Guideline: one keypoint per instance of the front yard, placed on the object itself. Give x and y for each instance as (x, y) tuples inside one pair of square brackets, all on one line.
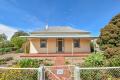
[(9, 59)]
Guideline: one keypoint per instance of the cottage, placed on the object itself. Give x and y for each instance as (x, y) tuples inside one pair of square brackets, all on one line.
[(59, 40)]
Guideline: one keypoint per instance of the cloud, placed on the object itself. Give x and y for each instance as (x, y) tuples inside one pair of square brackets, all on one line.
[(9, 31)]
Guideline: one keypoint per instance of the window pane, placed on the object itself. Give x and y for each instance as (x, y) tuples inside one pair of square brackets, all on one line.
[(43, 43), (76, 42)]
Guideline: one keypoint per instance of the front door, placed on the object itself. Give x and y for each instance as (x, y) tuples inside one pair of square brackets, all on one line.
[(60, 45)]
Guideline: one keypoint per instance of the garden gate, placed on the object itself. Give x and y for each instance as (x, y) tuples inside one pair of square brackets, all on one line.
[(70, 72), (62, 72)]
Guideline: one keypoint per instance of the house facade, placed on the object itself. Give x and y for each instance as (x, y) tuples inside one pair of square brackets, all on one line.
[(59, 40)]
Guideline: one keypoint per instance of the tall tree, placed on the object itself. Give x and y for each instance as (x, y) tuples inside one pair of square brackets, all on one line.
[(109, 39), (19, 33), (3, 37), (17, 40)]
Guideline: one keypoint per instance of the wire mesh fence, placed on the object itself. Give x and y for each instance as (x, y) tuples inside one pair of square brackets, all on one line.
[(19, 74), (60, 73), (102, 73)]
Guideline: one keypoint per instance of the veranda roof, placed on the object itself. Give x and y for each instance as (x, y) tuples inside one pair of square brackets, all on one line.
[(59, 36)]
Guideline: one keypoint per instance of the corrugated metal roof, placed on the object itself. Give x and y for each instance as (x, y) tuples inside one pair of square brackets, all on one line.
[(59, 32), (60, 29)]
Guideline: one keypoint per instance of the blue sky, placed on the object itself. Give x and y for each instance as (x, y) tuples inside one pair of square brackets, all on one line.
[(29, 15)]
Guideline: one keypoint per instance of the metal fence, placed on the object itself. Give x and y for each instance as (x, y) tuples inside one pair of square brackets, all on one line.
[(97, 73), (60, 73), (19, 74)]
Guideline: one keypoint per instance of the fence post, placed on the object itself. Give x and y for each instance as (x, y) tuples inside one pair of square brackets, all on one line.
[(41, 73), (77, 73)]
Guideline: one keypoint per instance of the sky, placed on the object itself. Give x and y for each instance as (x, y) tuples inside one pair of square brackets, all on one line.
[(30, 15)]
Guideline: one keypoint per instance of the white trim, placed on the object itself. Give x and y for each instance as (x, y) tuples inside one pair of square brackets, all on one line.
[(74, 36), (19, 68)]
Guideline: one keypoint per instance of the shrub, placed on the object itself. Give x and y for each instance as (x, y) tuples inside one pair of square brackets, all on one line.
[(29, 63), (91, 75), (17, 74), (18, 41), (113, 62), (19, 51), (6, 44), (1, 50), (33, 63), (94, 60), (4, 60), (5, 50)]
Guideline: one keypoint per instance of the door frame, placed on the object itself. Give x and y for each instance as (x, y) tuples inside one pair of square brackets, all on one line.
[(57, 40)]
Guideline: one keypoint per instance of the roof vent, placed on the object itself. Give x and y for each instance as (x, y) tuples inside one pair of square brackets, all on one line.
[(46, 27)]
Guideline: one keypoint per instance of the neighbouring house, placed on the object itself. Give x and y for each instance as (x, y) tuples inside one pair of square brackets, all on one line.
[(60, 40)]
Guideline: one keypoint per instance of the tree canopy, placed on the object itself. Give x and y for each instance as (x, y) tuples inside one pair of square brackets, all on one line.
[(3, 37), (109, 39), (17, 40), (19, 33)]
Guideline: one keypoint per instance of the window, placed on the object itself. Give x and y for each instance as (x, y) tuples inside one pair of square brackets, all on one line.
[(43, 43), (76, 43)]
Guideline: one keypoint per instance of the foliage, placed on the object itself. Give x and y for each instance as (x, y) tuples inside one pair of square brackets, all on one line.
[(109, 38), (5, 46), (99, 60), (19, 33), (94, 60), (5, 50), (19, 51), (114, 62), (16, 74), (91, 75), (110, 34), (110, 52), (4, 60), (32, 63), (29, 63), (3, 37), (18, 42)]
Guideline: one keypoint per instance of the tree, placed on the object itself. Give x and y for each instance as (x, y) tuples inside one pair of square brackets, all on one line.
[(109, 38), (19, 33), (3, 37), (17, 40)]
